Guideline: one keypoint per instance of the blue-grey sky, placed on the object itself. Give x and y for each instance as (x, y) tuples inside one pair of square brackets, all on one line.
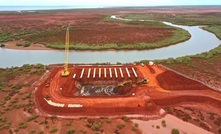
[(98, 3)]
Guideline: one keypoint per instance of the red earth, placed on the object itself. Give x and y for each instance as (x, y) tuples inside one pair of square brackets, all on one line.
[(89, 27), (147, 98)]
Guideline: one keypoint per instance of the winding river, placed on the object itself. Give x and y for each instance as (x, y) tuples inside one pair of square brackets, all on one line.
[(200, 41)]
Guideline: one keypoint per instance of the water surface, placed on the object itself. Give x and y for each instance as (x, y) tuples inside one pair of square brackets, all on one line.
[(200, 41)]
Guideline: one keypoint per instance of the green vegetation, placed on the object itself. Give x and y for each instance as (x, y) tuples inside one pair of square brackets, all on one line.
[(26, 44), (216, 29), (32, 117), (71, 131), (184, 19), (108, 121), (120, 126), (125, 118), (179, 35), (19, 44), (69, 123), (175, 131), (54, 130), (163, 123), (3, 119), (136, 124), (96, 126), (32, 131), (2, 45), (47, 126), (134, 128), (10, 73), (41, 132), (22, 125), (7, 125), (219, 131)]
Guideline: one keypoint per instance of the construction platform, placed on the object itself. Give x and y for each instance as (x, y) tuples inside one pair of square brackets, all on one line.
[(93, 88)]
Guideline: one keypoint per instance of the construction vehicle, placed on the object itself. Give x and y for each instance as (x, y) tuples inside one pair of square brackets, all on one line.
[(124, 83), (143, 81), (65, 72)]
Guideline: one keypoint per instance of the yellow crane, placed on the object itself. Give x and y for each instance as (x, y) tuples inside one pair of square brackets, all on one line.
[(65, 72)]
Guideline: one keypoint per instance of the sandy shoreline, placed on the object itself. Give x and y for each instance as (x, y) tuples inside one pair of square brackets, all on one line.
[(12, 45)]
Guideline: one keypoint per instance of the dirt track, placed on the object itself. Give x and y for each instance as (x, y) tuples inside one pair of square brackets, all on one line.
[(148, 97)]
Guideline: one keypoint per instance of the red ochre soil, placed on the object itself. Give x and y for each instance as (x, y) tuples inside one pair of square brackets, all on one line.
[(148, 98), (172, 81), (89, 27)]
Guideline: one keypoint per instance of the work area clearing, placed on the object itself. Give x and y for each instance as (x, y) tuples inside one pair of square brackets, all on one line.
[(91, 90)]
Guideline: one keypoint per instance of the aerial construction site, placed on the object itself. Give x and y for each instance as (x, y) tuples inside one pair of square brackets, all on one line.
[(91, 90)]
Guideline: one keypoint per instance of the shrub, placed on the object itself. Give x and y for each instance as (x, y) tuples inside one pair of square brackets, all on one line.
[(163, 123), (2, 103), (32, 117), (39, 66), (219, 130), (53, 130), (158, 127), (125, 118), (69, 123), (14, 101), (47, 126), (7, 125), (96, 126), (16, 130), (3, 119), (22, 125), (175, 131), (2, 45), (136, 124), (71, 131), (32, 131), (134, 128), (212, 117), (19, 44), (27, 44), (120, 126), (108, 121), (40, 132), (217, 123)]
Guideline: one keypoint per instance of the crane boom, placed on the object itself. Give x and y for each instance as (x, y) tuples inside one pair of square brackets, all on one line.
[(65, 72)]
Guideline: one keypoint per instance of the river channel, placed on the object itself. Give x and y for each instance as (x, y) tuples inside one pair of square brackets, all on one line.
[(200, 41)]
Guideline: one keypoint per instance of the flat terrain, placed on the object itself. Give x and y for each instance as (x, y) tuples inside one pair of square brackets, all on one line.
[(190, 101), (89, 30), (18, 91), (148, 98)]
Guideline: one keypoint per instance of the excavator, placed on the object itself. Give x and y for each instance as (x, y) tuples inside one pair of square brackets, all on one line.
[(65, 72), (129, 82)]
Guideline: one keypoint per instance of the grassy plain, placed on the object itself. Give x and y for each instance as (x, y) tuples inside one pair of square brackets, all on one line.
[(191, 19), (89, 31)]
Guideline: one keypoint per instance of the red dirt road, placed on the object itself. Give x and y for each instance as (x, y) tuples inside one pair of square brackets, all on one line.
[(148, 97)]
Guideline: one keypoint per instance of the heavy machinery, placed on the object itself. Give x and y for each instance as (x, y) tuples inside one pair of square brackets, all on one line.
[(143, 81), (124, 83), (65, 72)]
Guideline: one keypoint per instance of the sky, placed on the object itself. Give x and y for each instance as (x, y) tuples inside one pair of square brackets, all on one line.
[(103, 3)]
